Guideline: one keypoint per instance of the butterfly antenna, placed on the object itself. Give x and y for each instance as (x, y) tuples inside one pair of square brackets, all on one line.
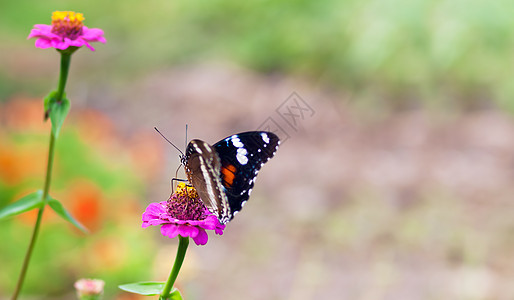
[(186, 136), (168, 141)]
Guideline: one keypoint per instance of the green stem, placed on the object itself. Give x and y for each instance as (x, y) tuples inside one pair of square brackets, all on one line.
[(63, 76), (65, 65), (183, 242), (35, 233)]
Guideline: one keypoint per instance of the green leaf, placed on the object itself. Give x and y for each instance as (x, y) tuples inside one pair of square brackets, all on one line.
[(29, 202), (56, 110), (50, 98), (175, 295), (61, 211), (147, 288)]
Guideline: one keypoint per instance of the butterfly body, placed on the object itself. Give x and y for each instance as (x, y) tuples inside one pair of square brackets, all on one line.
[(224, 173)]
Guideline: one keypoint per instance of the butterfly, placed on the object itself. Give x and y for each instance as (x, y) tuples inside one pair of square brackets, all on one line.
[(224, 174)]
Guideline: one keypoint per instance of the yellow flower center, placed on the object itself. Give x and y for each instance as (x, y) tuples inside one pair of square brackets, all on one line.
[(185, 190), (67, 24)]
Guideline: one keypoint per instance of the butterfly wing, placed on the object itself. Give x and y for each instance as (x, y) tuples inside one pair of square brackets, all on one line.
[(241, 156), (203, 166)]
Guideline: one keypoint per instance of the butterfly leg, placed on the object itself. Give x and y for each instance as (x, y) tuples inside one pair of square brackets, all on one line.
[(178, 180)]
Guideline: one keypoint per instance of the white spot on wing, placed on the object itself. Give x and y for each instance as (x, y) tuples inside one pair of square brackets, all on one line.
[(236, 142), (265, 137), (197, 148), (241, 156)]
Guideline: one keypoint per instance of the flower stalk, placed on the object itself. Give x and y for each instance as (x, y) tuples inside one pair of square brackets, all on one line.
[(183, 242), (63, 75), (65, 65)]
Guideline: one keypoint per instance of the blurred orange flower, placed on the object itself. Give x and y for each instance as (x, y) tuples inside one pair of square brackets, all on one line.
[(19, 162), (23, 113), (86, 203)]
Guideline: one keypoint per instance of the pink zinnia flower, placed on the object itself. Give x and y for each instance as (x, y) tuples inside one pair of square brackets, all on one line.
[(66, 31), (184, 213)]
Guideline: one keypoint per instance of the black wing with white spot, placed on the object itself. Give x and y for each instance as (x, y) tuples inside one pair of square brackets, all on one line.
[(241, 157)]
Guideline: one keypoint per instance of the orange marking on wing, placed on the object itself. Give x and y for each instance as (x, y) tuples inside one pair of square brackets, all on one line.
[(228, 174)]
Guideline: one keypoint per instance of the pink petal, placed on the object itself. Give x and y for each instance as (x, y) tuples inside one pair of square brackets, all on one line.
[(154, 222), (155, 209), (93, 34), (148, 220), (61, 45), (43, 43), (77, 43), (147, 217), (170, 230), (210, 223), (188, 231), (201, 238), (89, 46), (34, 33), (219, 230), (175, 221), (43, 31)]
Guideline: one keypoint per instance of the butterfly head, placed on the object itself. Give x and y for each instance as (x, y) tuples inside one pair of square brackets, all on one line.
[(184, 163)]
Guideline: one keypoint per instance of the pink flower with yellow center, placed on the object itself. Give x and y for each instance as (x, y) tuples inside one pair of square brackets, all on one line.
[(183, 214), (66, 31)]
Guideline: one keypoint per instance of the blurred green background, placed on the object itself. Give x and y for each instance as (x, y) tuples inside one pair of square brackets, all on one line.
[(399, 186), (403, 53)]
